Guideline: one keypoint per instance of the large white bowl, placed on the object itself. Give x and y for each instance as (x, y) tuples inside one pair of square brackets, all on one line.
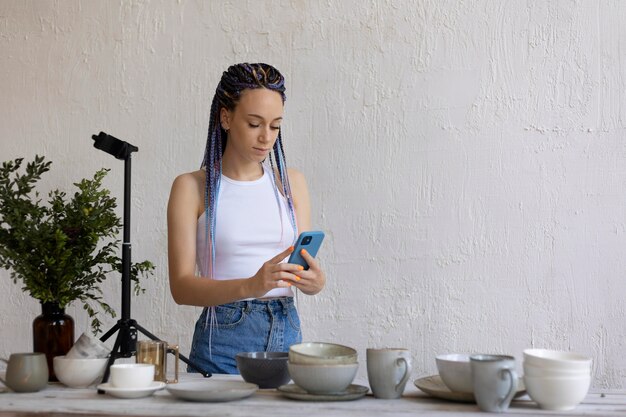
[(321, 353), (455, 371), (556, 359), (322, 379), (533, 370), (78, 372), (557, 393)]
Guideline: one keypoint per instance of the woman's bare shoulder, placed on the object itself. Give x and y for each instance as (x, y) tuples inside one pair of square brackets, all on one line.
[(189, 187), (190, 179), (296, 178)]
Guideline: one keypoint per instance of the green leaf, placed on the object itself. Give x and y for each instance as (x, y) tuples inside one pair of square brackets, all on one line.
[(63, 250)]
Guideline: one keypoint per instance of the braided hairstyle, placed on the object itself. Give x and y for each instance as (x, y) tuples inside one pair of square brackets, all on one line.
[(235, 80)]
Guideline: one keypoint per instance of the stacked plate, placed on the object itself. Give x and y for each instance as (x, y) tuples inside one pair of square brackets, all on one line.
[(556, 380)]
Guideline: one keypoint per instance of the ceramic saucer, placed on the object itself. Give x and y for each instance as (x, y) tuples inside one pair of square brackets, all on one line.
[(294, 392), (132, 392), (212, 390), (434, 386)]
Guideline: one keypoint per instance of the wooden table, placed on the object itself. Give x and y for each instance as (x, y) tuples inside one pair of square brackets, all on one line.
[(57, 400)]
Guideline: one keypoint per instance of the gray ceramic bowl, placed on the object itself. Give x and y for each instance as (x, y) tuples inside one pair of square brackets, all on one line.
[(266, 369)]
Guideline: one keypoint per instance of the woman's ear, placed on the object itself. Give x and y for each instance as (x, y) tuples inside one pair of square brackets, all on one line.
[(225, 116)]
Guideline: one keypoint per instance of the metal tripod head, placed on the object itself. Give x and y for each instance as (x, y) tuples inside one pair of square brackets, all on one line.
[(114, 146)]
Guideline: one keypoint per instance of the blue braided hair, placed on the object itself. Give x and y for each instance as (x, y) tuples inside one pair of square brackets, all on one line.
[(235, 80)]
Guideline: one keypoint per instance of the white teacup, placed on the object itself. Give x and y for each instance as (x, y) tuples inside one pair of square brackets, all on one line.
[(132, 375)]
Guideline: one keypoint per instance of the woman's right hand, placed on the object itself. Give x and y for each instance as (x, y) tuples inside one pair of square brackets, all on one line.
[(274, 274)]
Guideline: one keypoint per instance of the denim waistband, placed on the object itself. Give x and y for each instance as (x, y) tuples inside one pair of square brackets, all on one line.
[(273, 304)]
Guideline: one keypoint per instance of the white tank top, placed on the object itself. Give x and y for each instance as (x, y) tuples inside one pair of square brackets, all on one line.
[(248, 230)]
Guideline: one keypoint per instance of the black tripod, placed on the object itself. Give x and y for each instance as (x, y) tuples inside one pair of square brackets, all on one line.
[(126, 341)]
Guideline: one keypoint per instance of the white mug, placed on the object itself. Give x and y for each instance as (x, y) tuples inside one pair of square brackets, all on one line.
[(388, 371)]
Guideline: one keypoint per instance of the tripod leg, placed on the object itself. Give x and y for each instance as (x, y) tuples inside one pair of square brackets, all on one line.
[(114, 355), (110, 332), (183, 358)]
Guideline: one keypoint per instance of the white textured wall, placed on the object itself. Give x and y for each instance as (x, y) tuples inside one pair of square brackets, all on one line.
[(465, 158)]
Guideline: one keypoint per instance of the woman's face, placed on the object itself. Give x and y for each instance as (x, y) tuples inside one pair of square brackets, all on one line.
[(253, 125)]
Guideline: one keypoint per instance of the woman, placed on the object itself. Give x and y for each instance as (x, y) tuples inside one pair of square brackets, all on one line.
[(237, 218)]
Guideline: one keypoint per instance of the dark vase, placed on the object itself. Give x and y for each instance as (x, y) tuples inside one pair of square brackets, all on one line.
[(53, 333)]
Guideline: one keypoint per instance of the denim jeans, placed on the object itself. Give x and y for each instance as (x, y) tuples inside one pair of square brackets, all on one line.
[(243, 326)]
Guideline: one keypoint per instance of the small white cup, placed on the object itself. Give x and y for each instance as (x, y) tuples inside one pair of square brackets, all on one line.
[(132, 375)]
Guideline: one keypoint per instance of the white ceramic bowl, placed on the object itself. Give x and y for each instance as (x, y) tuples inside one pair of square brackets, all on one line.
[(556, 359), (539, 371), (557, 393), (321, 353), (78, 373), (322, 379), (132, 375), (455, 371)]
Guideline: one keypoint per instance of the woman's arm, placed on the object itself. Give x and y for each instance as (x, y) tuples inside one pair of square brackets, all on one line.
[(312, 280), (186, 287)]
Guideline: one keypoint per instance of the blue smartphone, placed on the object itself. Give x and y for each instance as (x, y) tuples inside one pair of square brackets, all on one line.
[(311, 241)]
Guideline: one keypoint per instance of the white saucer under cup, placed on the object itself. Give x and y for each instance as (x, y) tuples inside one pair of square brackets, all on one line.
[(132, 392)]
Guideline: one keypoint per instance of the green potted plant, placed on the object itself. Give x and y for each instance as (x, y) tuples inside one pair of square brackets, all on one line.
[(61, 251)]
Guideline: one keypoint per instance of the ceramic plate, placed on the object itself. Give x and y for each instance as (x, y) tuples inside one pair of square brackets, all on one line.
[(434, 386), (294, 392), (212, 390), (132, 392)]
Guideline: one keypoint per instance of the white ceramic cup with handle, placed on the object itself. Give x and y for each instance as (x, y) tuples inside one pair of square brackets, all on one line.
[(132, 375)]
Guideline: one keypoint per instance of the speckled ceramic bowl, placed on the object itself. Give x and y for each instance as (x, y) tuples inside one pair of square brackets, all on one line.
[(322, 353), (266, 369), (323, 379), (455, 371)]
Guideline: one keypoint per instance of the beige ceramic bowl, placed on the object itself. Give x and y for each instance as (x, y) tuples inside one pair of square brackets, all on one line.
[(321, 353), (322, 379), (78, 373), (557, 393), (455, 371)]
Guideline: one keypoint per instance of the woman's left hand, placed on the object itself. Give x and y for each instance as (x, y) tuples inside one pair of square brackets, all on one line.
[(311, 280)]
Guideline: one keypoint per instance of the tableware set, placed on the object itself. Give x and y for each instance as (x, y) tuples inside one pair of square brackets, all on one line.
[(322, 372), (555, 380)]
